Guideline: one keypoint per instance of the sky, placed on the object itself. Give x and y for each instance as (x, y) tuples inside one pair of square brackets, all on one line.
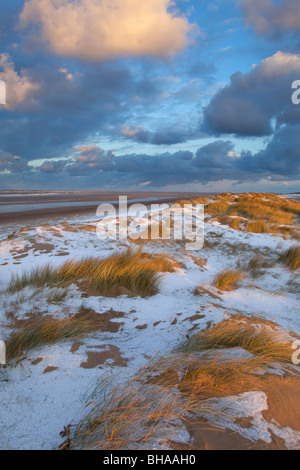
[(151, 95)]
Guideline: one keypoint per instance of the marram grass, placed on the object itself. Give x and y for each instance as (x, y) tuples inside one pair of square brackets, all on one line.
[(134, 272), (229, 280), (267, 343), (47, 332)]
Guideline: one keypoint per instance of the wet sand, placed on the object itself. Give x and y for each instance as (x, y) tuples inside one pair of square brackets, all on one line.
[(65, 204)]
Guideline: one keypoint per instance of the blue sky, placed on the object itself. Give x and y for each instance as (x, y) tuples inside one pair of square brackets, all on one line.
[(150, 94)]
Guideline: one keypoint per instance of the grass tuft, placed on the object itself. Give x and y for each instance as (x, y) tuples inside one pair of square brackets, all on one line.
[(45, 333), (140, 411), (129, 416), (131, 272), (272, 345), (229, 280), (264, 212), (217, 377), (292, 257), (258, 226)]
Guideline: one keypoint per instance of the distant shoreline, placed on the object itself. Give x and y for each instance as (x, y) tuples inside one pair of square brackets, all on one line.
[(38, 197), (82, 203), (90, 207)]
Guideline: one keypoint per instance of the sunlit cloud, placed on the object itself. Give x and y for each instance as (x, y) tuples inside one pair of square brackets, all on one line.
[(20, 88), (102, 29)]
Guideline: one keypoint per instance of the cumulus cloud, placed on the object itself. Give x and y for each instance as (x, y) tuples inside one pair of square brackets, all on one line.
[(272, 17), (102, 29), (99, 166), (21, 90), (214, 162), (69, 106), (13, 163), (54, 167), (161, 137), (252, 101), (215, 155), (280, 157), (90, 159)]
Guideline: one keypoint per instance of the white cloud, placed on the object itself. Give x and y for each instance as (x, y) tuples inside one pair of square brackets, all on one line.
[(102, 29), (280, 64), (20, 89)]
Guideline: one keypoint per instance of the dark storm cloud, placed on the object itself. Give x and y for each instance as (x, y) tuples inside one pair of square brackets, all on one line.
[(215, 155), (58, 107), (162, 137), (56, 104), (91, 159), (13, 164), (217, 161), (54, 167), (253, 101), (67, 107), (280, 157), (134, 168)]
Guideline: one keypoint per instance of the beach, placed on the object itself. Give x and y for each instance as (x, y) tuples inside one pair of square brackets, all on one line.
[(143, 326)]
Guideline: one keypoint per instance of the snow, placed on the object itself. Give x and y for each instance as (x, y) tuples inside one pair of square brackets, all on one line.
[(36, 406), (250, 405)]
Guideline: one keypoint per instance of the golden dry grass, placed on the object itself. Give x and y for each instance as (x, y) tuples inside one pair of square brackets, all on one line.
[(137, 412), (236, 223), (217, 208), (259, 261), (232, 222), (132, 271), (129, 415), (295, 235), (201, 377), (200, 200), (264, 212), (258, 226), (225, 197), (258, 339), (218, 376), (292, 257), (229, 280), (48, 331)]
